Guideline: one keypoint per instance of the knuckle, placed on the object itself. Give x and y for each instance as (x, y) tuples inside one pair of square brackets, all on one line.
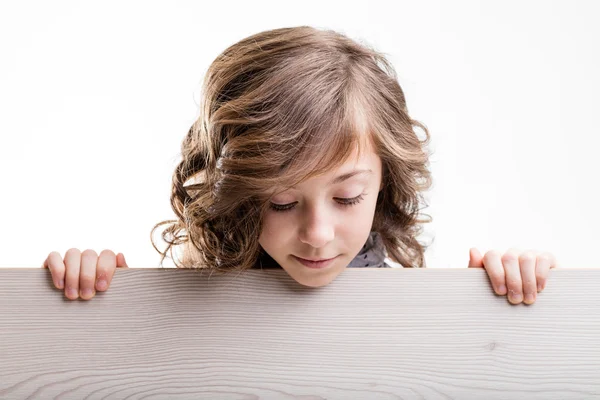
[(107, 252), (107, 260), (546, 257), (55, 264), (509, 256), (492, 254), (527, 256), (89, 253), (71, 251), (52, 257), (54, 254)]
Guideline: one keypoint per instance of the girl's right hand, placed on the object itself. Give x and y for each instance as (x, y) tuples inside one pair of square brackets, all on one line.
[(81, 274)]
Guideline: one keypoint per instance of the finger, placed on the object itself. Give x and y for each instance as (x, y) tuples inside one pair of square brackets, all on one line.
[(121, 263), (527, 262), (87, 274), (107, 262), (72, 264), (475, 258), (54, 263), (494, 269), (514, 283), (545, 262)]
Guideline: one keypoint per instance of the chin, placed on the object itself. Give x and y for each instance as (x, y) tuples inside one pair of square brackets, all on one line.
[(316, 281), (313, 284)]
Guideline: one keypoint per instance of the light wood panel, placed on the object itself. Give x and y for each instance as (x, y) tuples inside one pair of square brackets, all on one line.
[(370, 334)]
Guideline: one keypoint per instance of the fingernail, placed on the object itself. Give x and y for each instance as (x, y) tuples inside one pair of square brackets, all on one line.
[(513, 296), (72, 292), (502, 289), (539, 287), (102, 284), (87, 292), (529, 298), (61, 284), (517, 298)]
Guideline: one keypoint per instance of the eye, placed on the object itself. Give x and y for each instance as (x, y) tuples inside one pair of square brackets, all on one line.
[(344, 202)]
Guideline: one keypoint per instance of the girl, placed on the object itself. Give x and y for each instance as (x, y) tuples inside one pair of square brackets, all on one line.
[(304, 157)]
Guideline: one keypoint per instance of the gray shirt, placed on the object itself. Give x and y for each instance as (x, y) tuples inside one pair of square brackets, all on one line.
[(372, 255)]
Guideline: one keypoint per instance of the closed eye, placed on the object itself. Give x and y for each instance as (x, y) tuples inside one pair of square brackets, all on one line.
[(344, 202)]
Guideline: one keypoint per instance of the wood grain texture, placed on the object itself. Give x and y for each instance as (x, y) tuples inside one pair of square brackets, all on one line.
[(370, 334)]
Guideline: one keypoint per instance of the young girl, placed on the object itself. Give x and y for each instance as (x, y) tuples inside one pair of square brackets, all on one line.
[(304, 157)]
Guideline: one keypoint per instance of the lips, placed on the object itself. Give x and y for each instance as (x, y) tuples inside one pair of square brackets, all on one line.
[(314, 259), (322, 263)]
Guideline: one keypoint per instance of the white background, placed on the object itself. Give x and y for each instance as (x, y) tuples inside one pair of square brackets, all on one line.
[(96, 97)]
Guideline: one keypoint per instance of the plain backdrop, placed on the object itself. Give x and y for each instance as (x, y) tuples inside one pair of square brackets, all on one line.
[(96, 97)]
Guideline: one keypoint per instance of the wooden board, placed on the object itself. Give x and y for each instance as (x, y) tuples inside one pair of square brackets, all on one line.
[(370, 334)]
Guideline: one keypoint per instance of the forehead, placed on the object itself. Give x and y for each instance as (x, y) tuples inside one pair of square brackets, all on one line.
[(339, 145), (362, 158)]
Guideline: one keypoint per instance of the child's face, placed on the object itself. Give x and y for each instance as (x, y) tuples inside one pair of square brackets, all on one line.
[(318, 226)]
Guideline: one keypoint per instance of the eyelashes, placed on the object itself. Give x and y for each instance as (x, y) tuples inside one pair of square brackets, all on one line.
[(344, 202)]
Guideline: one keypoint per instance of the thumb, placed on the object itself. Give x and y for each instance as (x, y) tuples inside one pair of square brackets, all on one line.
[(475, 258), (121, 261)]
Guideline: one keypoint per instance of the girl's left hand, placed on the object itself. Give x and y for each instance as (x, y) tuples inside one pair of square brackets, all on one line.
[(524, 273)]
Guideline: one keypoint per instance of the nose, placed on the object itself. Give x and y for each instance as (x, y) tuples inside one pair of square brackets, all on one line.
[(317, 229)]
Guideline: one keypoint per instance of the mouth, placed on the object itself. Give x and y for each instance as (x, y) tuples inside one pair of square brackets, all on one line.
[(315, 263), (315, 260)]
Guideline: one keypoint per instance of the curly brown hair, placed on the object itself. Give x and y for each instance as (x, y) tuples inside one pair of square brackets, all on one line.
[(279, 107)]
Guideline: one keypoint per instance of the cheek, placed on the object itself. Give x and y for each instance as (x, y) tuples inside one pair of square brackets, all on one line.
[(362, 216), (272, 230), (269, 225)]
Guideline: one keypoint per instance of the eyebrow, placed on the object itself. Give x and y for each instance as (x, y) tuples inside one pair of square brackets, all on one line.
[(346, 176), (349, 175)]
